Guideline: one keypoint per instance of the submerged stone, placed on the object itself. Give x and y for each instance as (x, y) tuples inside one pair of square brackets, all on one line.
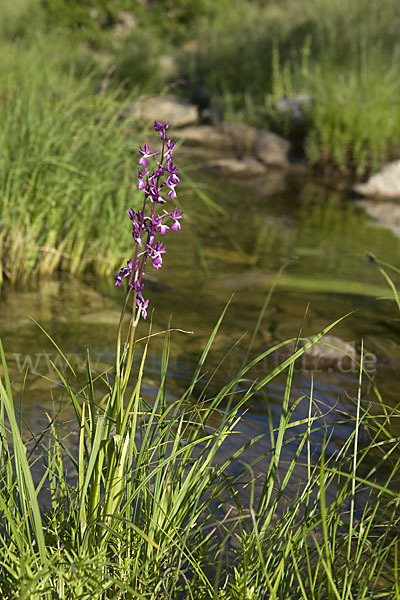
[(232, 166), (328, 353)]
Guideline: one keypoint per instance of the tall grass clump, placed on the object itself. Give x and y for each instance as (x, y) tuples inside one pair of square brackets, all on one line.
[(353, 115), (153, 510), (64, 168)]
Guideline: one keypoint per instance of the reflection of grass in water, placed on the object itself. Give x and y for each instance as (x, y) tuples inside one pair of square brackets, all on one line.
[(324, 230), (331, 222), (140, 521)]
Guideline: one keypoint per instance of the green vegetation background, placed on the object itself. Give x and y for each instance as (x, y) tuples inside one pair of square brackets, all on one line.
[(140, 522)]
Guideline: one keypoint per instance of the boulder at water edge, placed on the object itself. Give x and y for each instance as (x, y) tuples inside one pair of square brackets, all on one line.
[(272, 149), (384, 184), (167, 109)]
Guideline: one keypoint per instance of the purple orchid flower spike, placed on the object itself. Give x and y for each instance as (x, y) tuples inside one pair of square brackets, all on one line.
[(147, 224), (172, 182), (160, 226), (141, 176)]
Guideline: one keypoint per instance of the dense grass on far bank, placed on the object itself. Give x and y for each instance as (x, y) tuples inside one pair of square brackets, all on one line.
[(66, 167), (342, 53)]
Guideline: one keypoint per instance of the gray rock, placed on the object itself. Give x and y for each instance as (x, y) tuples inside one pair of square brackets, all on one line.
[(384, 184), (272, 149), (331, 349), (126, 22), (167, 109), (274, 181), (234, 166), (101, 318), (329, 353), (293, 112), (230, 139), (243, 138), (207, 137), (295, 107)]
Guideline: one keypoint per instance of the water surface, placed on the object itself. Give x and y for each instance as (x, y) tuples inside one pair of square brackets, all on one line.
[(320, 235)]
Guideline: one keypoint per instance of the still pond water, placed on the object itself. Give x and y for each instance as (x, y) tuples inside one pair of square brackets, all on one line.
[(322, 235)]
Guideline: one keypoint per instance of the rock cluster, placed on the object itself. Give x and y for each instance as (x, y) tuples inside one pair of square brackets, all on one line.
[(240, 148)]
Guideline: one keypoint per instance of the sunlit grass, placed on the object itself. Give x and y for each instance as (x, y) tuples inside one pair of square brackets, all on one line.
[(355, 116), (66, 167), (148, 507)]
